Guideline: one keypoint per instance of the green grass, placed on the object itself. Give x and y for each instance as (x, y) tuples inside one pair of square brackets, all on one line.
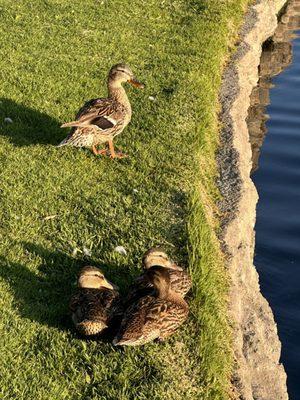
[(54, 55)]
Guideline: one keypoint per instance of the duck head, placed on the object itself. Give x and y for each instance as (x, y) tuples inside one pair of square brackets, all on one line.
[(156, 256), (121, 73), (92, 278)]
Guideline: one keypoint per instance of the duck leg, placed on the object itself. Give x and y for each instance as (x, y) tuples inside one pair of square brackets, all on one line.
[(113, 154), (101, 152)]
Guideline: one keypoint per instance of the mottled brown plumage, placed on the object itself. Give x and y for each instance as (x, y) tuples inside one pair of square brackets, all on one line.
[(94, 303), (101, 119), (180, 281), (156, 315)]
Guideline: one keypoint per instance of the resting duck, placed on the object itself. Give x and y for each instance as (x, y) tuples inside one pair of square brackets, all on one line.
[(153, 316), (94, 303), (179, 279), (100, 120)]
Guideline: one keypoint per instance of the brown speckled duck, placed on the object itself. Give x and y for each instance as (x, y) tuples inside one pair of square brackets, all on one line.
[(154, 316), (100, 120), (180, 281), (94, 303)]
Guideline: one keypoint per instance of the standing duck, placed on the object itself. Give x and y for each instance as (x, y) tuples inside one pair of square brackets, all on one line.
[(100, 120), (94, 303), (154, 316)]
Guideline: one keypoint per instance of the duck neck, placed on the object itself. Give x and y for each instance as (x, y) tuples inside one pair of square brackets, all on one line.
[(118, 93), (163, 290)]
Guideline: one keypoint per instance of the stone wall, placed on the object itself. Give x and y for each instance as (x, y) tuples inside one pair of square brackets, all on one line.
[(258, 373)]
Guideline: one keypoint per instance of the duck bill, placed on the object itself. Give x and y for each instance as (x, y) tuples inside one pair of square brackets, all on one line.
[(107, 284), (175, 267), (134, 82)]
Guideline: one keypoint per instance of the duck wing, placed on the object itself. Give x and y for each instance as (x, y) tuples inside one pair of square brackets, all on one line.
[(148, 319), (93, 304), (104, 113), (181, 282), (141, 287), (133, 322)]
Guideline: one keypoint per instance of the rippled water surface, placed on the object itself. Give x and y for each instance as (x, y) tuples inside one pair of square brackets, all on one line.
[(277, 178)]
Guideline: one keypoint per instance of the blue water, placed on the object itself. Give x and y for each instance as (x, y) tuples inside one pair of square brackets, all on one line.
[(278, 215)]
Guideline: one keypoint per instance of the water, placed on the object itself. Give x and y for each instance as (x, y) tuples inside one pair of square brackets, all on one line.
[(274, 123)]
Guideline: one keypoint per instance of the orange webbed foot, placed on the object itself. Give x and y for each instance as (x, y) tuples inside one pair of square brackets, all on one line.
[(102, 152), (118, 154)]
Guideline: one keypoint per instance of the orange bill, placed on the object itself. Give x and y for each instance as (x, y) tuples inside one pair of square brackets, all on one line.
[(136, 83)]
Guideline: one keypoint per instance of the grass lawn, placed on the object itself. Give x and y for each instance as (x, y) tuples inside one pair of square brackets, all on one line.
[(54, 55)]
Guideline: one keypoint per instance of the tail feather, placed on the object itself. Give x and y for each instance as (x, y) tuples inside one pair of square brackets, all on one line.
[(124, 342), (77, 139), (135, 339), (67, 141), (63, 143), (88, 328), (70, 124)]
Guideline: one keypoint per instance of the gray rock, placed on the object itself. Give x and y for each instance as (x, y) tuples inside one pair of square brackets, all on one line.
[(258, 374)]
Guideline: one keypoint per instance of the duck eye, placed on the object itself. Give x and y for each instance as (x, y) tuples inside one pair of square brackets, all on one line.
[(124, 71)]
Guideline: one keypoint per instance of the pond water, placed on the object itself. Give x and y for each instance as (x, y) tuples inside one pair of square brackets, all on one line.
[(274, 124)]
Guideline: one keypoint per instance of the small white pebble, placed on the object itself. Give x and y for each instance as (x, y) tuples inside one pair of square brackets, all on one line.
[(47, 217), (86, 31), (8, 120), (74, 252), (87, 252), (151, 98), (87, 378), (121, 250), (135, 191)]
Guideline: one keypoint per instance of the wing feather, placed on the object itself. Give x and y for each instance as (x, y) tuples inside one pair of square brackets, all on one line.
[(104, 113)]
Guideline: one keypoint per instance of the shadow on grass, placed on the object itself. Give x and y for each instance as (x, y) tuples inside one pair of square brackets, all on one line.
[(44, 296), (28, 126)]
